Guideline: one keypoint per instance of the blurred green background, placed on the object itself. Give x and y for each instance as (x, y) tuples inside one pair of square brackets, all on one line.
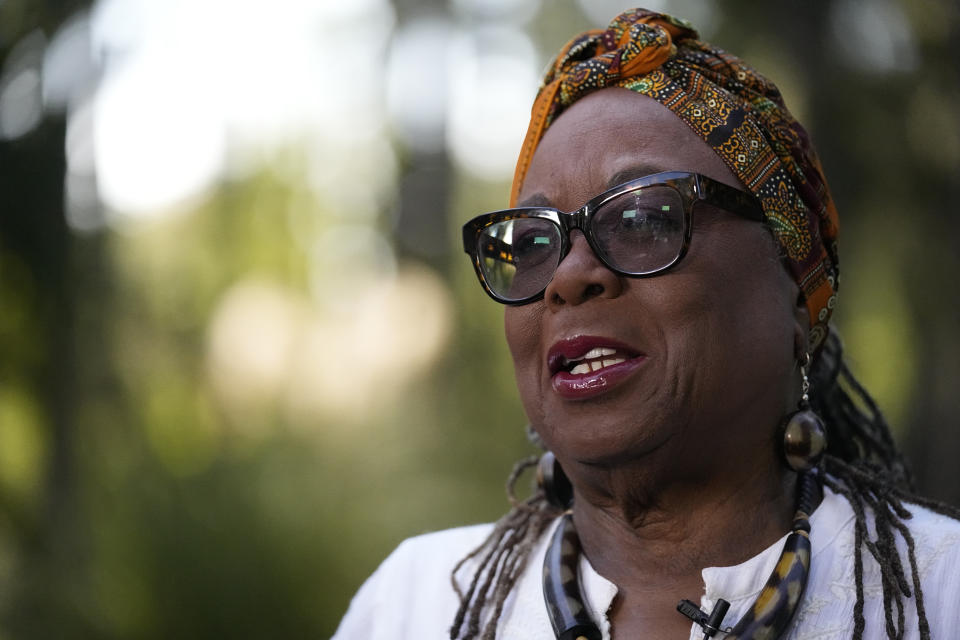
[(241, 353)]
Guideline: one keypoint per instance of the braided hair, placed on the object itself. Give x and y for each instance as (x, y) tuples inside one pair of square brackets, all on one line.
[(862, 464)]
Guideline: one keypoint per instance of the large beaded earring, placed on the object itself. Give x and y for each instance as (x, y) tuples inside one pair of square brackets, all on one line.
[(804, 435), (554, 482)]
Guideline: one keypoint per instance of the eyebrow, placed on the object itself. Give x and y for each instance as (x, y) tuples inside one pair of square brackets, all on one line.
[(632, 173), (626, 175), (536, 200)]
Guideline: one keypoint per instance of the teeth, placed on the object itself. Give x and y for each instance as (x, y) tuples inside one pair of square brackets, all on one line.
[(597, 352), (596, 365)]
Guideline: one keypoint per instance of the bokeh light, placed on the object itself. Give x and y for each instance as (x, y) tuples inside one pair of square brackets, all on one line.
[(21, 107), (493, 87), (873, 36)]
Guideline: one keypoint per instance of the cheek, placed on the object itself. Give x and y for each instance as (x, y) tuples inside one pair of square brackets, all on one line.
[(733, 316), (522, 329), (754, 311), (747, 273)]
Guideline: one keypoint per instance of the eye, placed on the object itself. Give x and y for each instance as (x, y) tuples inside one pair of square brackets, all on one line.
[(656, 222), (532, 247), (640, 220), (640, 231)]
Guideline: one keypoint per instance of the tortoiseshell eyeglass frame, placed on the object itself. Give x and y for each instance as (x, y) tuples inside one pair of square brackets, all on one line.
[(692, 188)]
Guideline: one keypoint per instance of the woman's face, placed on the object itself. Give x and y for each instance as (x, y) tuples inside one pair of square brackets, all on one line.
[(708, 364)]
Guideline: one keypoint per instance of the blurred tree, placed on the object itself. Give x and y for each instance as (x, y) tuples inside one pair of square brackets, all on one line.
[(877, 104), (40, 261)]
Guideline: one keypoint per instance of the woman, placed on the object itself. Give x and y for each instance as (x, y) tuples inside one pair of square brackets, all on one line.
[(672, 351)]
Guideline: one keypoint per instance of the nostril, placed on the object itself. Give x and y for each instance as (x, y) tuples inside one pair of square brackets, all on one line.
[(581, 276), (593, 290)]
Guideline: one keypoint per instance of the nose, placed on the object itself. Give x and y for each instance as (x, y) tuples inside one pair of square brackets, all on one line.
[(581, 276)]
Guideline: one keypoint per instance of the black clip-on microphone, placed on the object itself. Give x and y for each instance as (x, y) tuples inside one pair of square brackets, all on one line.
[(710, 623)]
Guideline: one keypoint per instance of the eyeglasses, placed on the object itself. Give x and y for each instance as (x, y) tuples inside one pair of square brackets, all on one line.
[(640, 228)]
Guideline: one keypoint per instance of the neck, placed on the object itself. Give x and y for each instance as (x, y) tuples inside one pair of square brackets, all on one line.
[(644, 535)]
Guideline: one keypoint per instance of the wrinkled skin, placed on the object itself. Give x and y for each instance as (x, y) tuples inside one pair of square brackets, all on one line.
[(689, 437)]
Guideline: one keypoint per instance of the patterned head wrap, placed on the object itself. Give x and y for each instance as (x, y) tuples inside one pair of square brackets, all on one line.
[(733, 108)]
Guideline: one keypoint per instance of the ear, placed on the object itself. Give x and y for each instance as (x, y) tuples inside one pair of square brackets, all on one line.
[(801, 331)]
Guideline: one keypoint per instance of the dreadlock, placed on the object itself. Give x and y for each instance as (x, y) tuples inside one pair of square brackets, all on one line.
[(862, 464)]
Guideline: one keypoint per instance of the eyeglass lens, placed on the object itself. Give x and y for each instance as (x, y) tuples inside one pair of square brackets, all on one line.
[(638, 232)]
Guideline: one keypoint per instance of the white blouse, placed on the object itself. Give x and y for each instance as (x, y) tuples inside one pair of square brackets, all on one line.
[(410, 595)]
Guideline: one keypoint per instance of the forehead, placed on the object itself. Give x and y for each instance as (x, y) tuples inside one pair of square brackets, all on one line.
[(611, 136)]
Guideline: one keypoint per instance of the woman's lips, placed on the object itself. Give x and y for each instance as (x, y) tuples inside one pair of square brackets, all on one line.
[(587, 366)]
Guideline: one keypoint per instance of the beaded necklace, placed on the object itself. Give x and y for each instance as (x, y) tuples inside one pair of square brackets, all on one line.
[(767, 618)]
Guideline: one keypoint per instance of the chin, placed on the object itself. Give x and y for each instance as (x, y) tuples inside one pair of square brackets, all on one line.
[(607, 442)]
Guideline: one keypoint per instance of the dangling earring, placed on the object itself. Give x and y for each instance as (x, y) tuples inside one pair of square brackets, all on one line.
[(804, 436), (554, 482)]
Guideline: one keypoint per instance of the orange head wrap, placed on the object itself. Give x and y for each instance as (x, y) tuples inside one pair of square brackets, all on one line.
[(733, 108)]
